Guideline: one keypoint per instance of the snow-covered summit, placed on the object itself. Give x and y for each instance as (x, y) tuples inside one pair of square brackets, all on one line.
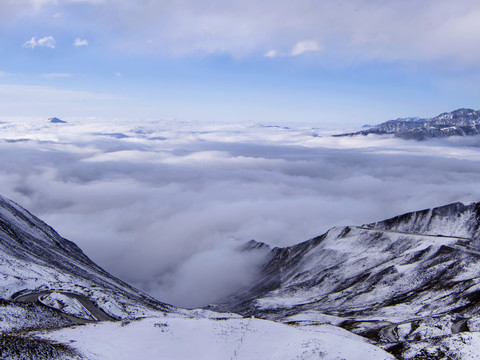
[(457, 219), (461, 122), (374, 277)]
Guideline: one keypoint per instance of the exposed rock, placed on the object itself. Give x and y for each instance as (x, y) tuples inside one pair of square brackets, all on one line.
[(461, 122)]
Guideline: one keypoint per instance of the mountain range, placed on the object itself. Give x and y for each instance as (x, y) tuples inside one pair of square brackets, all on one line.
[(461, 122), (55, 303), (405, 288), (412, 272)]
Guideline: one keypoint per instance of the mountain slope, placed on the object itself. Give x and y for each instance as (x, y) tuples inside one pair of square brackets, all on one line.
[(35, 261), (410, 284), (180, 338), (417, 269), (461, 122), (54, 302)]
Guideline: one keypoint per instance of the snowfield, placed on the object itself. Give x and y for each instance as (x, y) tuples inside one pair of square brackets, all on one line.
[(181, 338)]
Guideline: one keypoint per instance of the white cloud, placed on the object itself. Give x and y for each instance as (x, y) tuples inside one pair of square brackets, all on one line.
[(369, 30), (55, 75), (39, 3), (271, 54), (161, 203), (80, 42), (304, 46), (47, 41), (299, 48)]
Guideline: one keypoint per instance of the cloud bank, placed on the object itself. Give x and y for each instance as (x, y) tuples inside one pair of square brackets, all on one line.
[(431, 30), (166, 205)]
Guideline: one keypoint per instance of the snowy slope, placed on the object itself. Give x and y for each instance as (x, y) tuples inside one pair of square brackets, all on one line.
[(453, 220), (413, 269), (57, 304), (35, 260), (461, 122), (178, 338), (410, 284)]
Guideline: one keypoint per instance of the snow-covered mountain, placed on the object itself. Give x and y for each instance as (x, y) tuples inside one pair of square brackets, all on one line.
[(55, 303), (412, 277), (406, 288), (461, 122), (35, 259)]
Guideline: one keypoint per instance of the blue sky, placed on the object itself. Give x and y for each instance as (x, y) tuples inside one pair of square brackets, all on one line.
[(327, 63)]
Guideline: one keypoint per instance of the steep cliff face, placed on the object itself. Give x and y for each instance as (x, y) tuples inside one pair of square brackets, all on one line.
[(418, 264), (461, 122)]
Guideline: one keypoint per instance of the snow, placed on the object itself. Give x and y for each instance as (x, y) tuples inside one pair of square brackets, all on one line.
[(66, 304), (314, 316), (465, 346), (174, 337), (17, 317), (42, 261), (349, 252)]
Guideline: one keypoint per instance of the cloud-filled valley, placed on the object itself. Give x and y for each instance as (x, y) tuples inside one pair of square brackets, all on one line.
[(166, 205)]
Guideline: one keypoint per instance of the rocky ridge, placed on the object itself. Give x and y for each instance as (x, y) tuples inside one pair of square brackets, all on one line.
[(414, 277), (461, 122)]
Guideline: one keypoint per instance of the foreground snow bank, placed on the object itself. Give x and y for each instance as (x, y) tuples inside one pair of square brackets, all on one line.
[(172, 337)]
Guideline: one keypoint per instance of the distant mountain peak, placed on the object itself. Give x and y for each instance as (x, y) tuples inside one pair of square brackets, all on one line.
[(460, 122), (55, 120)]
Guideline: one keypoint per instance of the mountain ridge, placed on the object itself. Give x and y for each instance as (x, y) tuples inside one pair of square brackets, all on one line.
[(49, 287), (410, 284), (36, 259), (417, 268), (460, 122)]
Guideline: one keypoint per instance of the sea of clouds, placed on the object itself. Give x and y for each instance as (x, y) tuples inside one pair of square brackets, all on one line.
[(166, 205)]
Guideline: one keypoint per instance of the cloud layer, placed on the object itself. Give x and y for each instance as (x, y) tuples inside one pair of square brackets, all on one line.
[(165, 205), (350, 30)]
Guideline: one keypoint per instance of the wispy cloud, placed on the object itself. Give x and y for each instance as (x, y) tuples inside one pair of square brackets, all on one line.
[(271, 54), (55, 75), (369, 30), (80, 42), (301, 47), (305, 46), (47, 41)]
